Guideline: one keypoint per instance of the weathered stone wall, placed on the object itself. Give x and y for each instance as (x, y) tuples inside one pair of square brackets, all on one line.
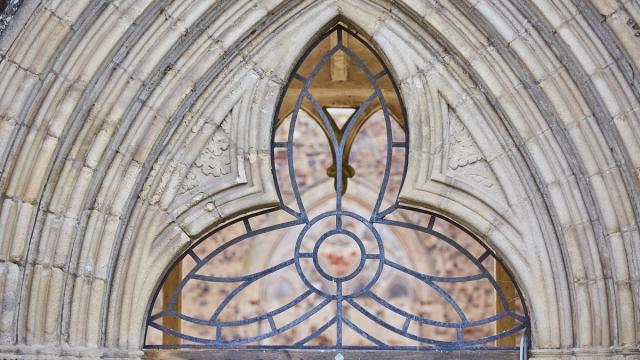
[(524, 121)]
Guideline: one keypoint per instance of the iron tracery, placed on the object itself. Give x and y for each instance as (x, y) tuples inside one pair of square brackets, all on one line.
[(356, 235)]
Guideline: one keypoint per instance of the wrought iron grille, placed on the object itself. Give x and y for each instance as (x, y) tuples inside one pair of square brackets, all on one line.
[(349, 270)]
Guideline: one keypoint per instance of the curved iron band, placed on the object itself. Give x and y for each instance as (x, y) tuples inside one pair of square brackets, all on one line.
[(277, 331), (242, 286), (181, 335), (363, 333), (404, 126), (457, 246), (425, 277), (439, 290), (265, 316), (294, 116), (339, 283), (197, 260), (387, 120), (455, 325), (338, 147), (250, 277), (219, 341), (373, 79), (324, 237), (319, 331), (445, 344), (488, 252), (377, 217), (223, 247)]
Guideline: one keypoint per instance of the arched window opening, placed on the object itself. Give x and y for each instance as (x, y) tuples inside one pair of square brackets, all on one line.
[(340, 264)]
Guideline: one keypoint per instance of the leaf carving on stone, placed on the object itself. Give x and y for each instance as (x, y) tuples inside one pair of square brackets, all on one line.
[(462, 148), (215, 159), (190, 182), (465, 160)]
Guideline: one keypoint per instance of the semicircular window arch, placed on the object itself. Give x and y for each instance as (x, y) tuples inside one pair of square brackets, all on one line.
[(340, 263)]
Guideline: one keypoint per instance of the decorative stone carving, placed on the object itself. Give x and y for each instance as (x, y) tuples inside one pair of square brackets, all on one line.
[(214, 159), (465, 160), (462, 150), (213, 162), (558, 104), (190, 182)]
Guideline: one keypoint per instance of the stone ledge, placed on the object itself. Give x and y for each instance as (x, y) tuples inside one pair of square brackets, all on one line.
[(42, 352), (241, 354), (65, 352), (622, 352)]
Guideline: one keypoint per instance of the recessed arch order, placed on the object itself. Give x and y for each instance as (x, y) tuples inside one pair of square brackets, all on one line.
[(123, 148), (333, 292)]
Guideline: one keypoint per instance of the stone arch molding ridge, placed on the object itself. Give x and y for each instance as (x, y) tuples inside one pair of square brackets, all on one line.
[(459, 170), (137, 126)]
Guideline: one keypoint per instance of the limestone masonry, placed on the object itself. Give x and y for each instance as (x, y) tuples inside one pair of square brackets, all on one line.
[(129, 128)]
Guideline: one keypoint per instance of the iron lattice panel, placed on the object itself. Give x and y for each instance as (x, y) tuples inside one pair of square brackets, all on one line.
[(371, 255)]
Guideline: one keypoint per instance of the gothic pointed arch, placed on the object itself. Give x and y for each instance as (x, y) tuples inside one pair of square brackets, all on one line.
[(130, 129), (340, 263)]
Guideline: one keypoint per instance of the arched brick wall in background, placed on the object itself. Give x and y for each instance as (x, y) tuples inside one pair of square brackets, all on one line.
[(525, 128)]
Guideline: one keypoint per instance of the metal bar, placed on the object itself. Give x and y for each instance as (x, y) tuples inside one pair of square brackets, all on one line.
[(220, 324), (220, 249), (324, 353), (280, 330), (363, 333), (272, 323), (247, 225), (508, 323), (385, 111), (434, 286), (248, 280), (484, 255), (320, 330), (339, 314)]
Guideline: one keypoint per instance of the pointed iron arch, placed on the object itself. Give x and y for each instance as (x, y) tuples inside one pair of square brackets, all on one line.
[(283, 247)]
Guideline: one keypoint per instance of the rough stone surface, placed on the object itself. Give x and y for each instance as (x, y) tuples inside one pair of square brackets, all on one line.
[(128, 128)]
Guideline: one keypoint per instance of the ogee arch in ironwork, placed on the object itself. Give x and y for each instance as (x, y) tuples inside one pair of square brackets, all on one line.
[(333, 268)]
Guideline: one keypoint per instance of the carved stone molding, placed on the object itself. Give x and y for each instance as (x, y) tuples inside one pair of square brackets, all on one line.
[(128, 129)]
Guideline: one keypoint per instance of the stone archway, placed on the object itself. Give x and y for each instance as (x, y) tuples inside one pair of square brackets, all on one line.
[(524, 128)]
